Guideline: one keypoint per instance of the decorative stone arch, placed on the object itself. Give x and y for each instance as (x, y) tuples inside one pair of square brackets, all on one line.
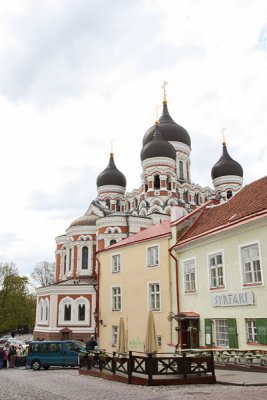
[(82, 304), (157, 201), (143, 212), (156, 209), (64, 304), (85, 238)]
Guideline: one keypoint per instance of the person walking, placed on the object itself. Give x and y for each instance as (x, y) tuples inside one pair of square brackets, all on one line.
[(91, 344)]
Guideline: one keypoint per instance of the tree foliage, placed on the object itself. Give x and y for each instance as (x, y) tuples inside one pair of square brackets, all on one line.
[(17, 304), (43, 273)]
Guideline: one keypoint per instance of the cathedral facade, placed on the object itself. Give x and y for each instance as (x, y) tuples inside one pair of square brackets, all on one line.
[(69, 307)]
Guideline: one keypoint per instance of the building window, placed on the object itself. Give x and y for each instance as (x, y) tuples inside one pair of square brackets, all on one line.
[(190, 276), (117, 205), (216, 271), (251, 265), (154, 296), (108, 203), (67, 312), (116, 263), (156, 182), (65, 263), (181, 170), (159, 341), (81, 312), (42, 312), (116, 299), (169, 183), (229, 194), (46, 313), (186, 196), (196, 199), (70, 260), (251, 330), (85, 257), (115, 330), (153, 256), (222, 338)]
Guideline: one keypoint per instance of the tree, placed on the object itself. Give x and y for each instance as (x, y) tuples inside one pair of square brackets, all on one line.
[(17, 305), (43, 273), (7, 269)]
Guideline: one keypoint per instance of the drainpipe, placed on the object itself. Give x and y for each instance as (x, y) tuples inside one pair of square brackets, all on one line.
[(177, 287), (96, 287)]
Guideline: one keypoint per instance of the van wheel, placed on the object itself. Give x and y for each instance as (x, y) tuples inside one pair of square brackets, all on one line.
[(36, 365)]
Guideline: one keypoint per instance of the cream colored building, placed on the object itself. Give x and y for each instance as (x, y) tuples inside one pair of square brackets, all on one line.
[(134, 277), (223, 273)]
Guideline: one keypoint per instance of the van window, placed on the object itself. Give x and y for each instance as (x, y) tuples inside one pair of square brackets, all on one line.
[(71, 346), (39, 347), (52, 347)]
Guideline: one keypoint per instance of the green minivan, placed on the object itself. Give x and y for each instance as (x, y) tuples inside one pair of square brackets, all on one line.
[(59, 353)]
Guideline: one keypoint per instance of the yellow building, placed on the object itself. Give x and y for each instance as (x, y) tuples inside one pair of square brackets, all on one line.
[(222, 261), (134, 277)]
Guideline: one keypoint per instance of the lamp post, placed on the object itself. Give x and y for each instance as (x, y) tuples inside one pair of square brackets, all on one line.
[(97, 322)]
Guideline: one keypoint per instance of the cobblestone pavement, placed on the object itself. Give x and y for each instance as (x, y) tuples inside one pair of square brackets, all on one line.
[(65, 384)]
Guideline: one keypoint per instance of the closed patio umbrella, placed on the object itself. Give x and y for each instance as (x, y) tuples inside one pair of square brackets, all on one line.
[(122, 341), (151, 337)]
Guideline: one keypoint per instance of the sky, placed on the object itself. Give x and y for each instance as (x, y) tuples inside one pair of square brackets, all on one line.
[(75, 75)]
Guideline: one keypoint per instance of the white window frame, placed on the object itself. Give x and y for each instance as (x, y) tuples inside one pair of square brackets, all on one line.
[(114, 335), (112, 298), (222, 341), (253, 283), (184, 263), (152, 263), (115, 268), (251, 330), (217, 287), (149, 293)]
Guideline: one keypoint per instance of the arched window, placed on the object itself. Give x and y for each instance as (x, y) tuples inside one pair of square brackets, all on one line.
[(70, 260), (108, 203), (229, 194), (181, 170), (146, 185), (196, 199), (67, 312), (117, 205), (46, 313), (42, 313), (85, 257), (186, 197), (169, 183), (129, 205), (65, 263), (156, 182), (113, 241), (81, 312)]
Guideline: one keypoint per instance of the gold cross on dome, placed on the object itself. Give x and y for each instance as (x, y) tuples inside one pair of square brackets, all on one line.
[(223, 136), (164, 84), (111, 146)]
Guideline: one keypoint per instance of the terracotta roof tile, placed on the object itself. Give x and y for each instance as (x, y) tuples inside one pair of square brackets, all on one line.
[(250, 200), (159, 230)]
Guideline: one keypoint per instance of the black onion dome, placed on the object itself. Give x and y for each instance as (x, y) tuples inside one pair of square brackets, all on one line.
[(170, 130), (158, 147), (226, 166), (111, 175)]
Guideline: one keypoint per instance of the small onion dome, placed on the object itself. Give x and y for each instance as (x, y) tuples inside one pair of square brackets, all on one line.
[(111, 175), (226, 166), (85, 220), (170, 130), (158, 147)]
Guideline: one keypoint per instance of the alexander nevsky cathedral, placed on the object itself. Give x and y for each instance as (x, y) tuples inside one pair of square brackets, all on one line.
[(66, 309)]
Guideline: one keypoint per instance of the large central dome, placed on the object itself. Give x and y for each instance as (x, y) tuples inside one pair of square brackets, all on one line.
[(170, 130)]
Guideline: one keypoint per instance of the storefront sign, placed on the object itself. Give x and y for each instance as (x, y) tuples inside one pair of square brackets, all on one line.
[(232, 299)]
